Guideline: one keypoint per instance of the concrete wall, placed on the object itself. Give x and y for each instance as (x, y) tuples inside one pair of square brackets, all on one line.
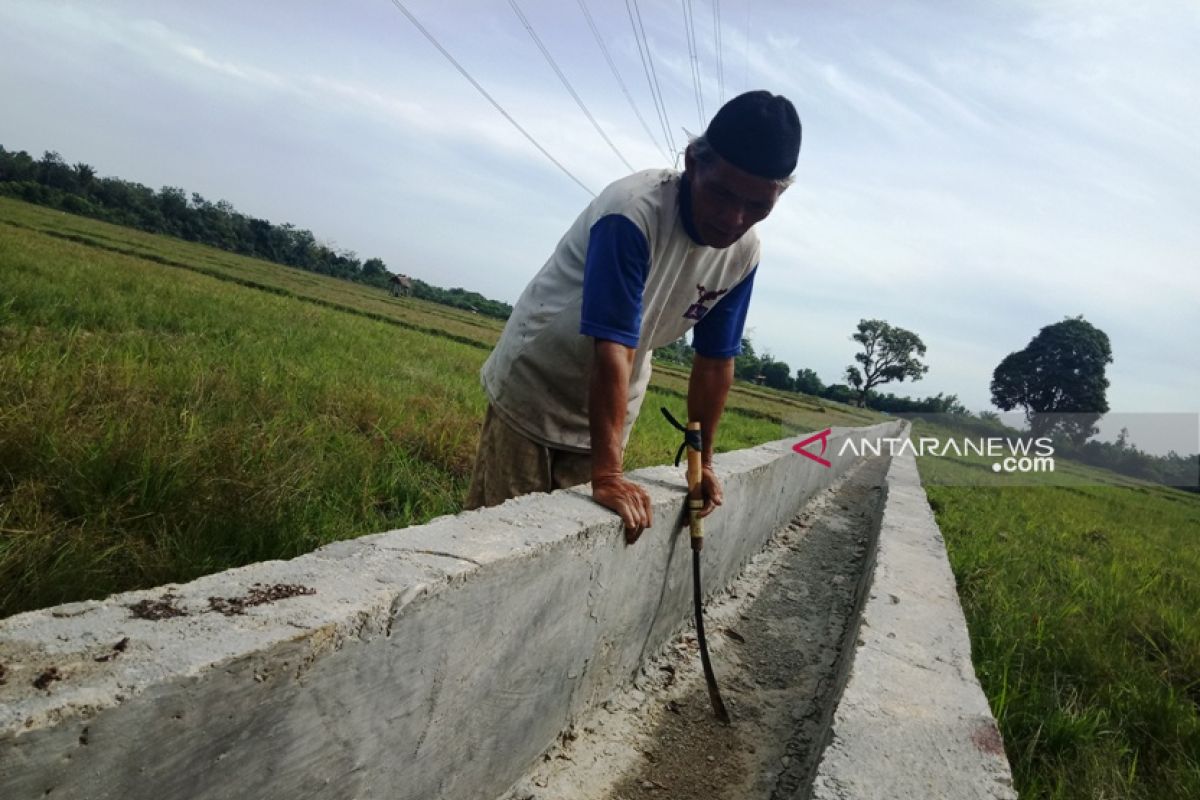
[(434, 661), (912, 720)]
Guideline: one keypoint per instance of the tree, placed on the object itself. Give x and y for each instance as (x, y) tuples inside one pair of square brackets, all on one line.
[(838, 392), (1060, 372), (172, 202), (375, 271), (17, 166), (677, 352), (84, 175), (776, 374), (54, 172), (889, 354), (808, 382), (1123, 440), (746, 364)]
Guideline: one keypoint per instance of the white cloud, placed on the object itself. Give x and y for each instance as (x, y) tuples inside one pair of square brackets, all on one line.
[(241, 72), (953, 108)]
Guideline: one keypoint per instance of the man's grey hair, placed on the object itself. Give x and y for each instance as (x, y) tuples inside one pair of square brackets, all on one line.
[(704, 154)]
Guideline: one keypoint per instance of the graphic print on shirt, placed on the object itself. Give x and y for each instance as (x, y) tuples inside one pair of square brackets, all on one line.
[(698, 309)]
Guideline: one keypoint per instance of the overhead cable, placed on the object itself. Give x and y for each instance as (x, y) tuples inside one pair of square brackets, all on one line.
[(399, 5), (639, 35), (613, 67), (720, 56), (689, 25), (746, 50), (554, 66)]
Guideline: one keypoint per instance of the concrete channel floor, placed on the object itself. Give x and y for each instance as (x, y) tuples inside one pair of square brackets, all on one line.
[(776, 635)]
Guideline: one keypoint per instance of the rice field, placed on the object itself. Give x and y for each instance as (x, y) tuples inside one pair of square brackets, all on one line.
[(1083, 605), (168, 410)]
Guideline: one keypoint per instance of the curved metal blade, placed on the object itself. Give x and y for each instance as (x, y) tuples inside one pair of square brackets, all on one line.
[(714, 694)]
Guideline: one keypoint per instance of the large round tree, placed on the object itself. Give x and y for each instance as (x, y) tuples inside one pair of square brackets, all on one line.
[(1058, 379), (889, 354)]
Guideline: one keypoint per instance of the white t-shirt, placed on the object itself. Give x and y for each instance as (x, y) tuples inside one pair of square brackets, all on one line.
[(537, 376)]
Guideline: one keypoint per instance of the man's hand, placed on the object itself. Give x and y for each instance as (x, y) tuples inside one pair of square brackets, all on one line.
[(627, 499), (711, 487), (608, 395)]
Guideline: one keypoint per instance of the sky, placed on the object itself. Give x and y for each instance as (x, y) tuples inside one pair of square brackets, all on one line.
[(971, 171)]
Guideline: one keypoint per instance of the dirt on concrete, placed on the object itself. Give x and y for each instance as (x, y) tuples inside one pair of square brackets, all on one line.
[(259, 594), (777, 636)]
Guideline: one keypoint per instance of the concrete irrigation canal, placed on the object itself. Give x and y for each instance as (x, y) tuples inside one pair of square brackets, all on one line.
[(526, 652), (778, 633)]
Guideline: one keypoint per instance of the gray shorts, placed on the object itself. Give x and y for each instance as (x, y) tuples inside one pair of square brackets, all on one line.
[(508, 465)]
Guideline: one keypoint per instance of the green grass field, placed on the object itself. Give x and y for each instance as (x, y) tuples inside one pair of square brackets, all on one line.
[(168, 410), (1083, 604)]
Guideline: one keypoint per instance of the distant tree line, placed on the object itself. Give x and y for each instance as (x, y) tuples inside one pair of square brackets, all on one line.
[(1060, 373), (1123, 457), (766, 370), (51, 181), (461, 298)]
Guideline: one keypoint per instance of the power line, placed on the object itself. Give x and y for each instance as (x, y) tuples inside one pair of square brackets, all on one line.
[(720, 57), (487, 96), (553, 65), (613, 67), (651, 73), (689, 25), (746, 50)]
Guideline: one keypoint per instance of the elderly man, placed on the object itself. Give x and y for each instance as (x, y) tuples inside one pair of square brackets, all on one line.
[(656, 254)]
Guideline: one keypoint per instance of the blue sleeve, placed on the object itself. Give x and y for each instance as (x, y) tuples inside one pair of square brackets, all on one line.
[(718, 334), (614, 276)]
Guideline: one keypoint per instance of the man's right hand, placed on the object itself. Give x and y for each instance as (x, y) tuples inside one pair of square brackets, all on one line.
[(626, 498)]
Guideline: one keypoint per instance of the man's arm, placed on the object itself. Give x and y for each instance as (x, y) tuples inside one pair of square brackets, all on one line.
[(618, 260), (608, 396), (708, 387), (717, 338)]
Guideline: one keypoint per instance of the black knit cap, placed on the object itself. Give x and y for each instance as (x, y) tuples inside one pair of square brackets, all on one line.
[(758, 132)]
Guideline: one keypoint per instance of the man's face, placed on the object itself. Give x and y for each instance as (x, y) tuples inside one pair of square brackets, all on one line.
[(727, 201)]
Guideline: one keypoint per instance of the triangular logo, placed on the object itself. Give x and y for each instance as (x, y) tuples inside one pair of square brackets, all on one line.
[(824, 437)]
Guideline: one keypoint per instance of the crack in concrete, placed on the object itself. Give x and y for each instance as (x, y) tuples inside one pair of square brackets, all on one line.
[(439, 678), (440, 554)]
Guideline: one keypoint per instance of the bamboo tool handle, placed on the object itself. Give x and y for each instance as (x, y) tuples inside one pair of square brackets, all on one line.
[(695, 492)]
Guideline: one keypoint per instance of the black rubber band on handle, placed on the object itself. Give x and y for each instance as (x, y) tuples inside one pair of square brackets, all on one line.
[(692, 439)]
